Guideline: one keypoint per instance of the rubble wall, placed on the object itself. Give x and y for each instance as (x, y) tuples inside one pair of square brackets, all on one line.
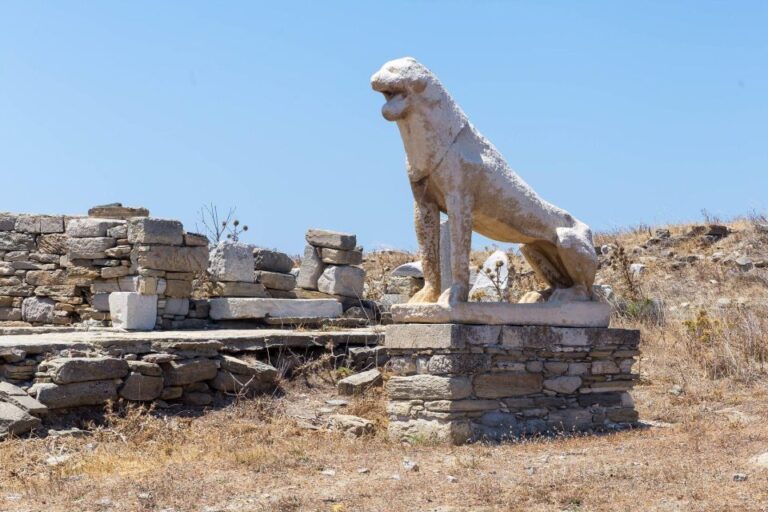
[(60, 269), (463, 383)]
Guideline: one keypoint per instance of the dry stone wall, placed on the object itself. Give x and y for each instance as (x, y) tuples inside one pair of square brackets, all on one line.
[(474, 382), (60, 269)]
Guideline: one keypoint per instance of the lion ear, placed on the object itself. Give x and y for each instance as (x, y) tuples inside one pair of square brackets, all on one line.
[(419, 85)]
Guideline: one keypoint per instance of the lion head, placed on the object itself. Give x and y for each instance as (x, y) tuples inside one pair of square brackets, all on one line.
[(398, 80)]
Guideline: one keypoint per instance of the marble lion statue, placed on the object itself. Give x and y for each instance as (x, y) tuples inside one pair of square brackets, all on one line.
[(453, 169)]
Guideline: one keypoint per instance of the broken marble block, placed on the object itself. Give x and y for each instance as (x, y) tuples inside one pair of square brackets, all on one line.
[(331, 239), (148, 230), (347, 281), (272, 261), (312, 268), (231, 261), (254, 309), (133, 311)]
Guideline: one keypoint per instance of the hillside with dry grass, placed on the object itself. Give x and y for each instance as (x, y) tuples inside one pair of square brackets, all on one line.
[(697, 292)]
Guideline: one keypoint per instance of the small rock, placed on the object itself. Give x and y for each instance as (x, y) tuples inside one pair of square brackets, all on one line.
[(363, 471), (337, 402), (452, 479), (328, 472), (410, 465), (676, 390), (55, 460), (740, 477)]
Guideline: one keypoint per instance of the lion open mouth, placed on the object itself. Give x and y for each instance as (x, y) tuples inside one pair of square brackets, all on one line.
[(395, 106)]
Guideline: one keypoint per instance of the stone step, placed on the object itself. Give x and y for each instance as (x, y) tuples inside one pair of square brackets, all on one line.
[(255, 308)]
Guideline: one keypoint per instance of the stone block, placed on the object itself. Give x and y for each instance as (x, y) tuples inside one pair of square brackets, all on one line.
[(261, 371), (40, 224), (66, 370), (10, 241), (312, 268), (88, 248), (413, 336), (173, 259), (114, 272), (117, 211), (141, 388), (272, 261), (331, 239), (55, 243), (57, 396), (235, 289), (86, 227), (177, 288), (188, 371), (454, 432), (568, 314), (339, 257), (428, 387), (231, 261), (195, 239), (119, 231), (254, 308), (176, 306), (570, 419), (38, 310), (145, 368), (360, 382), (507, 384), (100, 301), (456, 364), (564, 384), (7, 221), (133, 311), (16, 421), (148, 230), (275, 280), (342, 280)]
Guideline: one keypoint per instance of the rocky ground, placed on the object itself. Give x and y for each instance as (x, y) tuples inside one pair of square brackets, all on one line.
[(701, 307)]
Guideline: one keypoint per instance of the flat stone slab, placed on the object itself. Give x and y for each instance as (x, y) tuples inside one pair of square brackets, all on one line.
[(569, 314), (256, 308), (45, 340)]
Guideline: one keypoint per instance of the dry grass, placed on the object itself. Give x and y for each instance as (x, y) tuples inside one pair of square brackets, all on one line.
[(702, 375)]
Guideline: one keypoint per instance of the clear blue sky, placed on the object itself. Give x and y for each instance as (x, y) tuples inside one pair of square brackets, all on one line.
[(621, 112)]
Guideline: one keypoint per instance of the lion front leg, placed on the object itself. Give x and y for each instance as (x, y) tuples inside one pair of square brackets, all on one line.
[(460, 221), (427, 222)]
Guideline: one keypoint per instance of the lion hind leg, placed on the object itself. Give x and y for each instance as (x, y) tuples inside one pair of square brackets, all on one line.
[(575, 250), (544, 262)]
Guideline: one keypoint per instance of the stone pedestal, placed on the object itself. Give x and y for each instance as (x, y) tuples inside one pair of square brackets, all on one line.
[(461, 383)]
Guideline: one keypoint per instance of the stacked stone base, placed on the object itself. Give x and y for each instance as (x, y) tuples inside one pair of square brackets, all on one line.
[(462, 383)]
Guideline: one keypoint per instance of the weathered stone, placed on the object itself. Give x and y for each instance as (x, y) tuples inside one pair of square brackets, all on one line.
[(52, 244), (254, 308), (455, 432), (117, 211), (56, 396), (275, 281), (177, 307), (171, 393), (602, 367), (40, 224), (8, 314), (180, 373), (18, 397), (15, 421), (7, 221), (177, 288), (262, 371), (89, 227), (65, 370), (412, 269), (88, 248), (114, 272), (195, 239), (507, 384), (155, 231), (120, 231), (312, 268), (331, 239), (358, 383), (565, 384), (146, 368), (570, 419), (351, 426), (133, 311), (407, 336), (10, 241), (38, 310), (231, 261), (339, 257), (458, 364), (197, 398), (120, 251), (237, 289), (461, 405), (272, 261), (342, 280), (139, 387), (428, 387), (176, 259)]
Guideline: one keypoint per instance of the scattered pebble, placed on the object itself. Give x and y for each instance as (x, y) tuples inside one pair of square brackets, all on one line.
[(363, 471), (337, 402), (739, 477), (452, 479), (410, 465), (328, 472), (55, 460)]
